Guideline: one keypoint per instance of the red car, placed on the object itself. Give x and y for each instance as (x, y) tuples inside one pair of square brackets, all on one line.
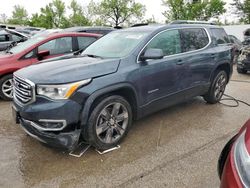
[(234, 161), (36, 49)]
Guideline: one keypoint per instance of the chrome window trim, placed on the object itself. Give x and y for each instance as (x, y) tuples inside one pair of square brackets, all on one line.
[(182, 53), (37, 126), (33, 96)]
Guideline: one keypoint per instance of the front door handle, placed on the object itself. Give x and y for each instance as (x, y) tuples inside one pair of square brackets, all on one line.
[(179, 62)]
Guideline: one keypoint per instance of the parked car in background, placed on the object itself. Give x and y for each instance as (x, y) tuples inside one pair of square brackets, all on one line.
[(246, 42), (237, 44), (125, 75), (234, 161), (36, 49), (243, 62), (98, 30), (10, 37)]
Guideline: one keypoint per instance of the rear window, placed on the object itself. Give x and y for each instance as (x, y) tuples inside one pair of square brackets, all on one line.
[(193, 39), (220, 36), (84, 42)]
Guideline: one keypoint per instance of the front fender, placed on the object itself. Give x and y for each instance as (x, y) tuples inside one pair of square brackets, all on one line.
[(87, 106)]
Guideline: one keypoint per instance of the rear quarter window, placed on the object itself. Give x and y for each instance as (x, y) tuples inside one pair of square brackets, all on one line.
[(220, 36), (193, 39)]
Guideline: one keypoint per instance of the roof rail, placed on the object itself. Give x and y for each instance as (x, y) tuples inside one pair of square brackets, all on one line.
[(139, 24), (192, 22)]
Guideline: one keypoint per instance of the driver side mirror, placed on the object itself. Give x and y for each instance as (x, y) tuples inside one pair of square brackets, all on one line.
[(42, 54), (152, 53)]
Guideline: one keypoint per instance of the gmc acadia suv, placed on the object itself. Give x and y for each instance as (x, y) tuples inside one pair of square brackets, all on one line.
[(122, 77)]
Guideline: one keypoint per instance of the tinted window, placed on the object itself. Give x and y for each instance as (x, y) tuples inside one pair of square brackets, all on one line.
[(193, 39), (57, 46), (220, 36), (3, 38), (16, 38), (168, 41), (83, 42)]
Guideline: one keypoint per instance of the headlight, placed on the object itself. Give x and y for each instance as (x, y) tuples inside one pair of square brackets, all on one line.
[(242, 160), (60, 91)]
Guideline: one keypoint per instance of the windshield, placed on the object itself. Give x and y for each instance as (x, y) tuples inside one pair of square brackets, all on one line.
[(23, 46), (116, 44)]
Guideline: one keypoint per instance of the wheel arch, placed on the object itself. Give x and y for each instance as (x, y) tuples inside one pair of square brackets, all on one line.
[(224, 66), (125, 90)]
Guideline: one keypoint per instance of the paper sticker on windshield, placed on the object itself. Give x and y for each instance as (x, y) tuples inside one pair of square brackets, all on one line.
[(134, 37)]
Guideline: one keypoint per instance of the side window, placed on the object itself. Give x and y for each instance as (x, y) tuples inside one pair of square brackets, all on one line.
[(220, 36), (193, 39), (168, 41), (57, 46), (2, 38), (16, 38), (83, 42), (29, 55)]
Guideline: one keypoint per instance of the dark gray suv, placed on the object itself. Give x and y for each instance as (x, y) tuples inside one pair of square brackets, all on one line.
[(122, 77)]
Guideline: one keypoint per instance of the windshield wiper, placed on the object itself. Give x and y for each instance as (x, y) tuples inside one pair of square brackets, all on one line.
[(92, 55), (8, 52)]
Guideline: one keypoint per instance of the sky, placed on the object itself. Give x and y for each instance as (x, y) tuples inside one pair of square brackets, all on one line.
[(153, 7)]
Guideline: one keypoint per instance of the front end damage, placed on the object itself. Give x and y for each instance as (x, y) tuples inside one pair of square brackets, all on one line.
[(243, 63)]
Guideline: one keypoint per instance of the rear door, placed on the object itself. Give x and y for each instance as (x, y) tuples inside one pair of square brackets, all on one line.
[(198, 58)]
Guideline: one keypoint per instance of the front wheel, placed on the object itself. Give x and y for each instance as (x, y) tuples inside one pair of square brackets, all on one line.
[(6, 87), (217, 87), (109, 122)]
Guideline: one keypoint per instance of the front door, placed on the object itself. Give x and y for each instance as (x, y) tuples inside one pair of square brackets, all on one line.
[(161, 78)]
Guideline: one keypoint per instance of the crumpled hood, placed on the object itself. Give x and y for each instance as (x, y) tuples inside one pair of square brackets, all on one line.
[(68, 70)]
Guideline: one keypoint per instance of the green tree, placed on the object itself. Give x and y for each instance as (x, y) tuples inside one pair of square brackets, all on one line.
[(52, 15), (243, 10), (19, 16), (117, 12), (77, 18), (198, 10)]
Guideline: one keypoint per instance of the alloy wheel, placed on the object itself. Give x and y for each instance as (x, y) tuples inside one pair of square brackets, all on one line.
[(7, 88), (112, 123), (220, 86)]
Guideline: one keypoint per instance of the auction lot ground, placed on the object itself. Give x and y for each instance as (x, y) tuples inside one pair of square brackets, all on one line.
[(176, 147)]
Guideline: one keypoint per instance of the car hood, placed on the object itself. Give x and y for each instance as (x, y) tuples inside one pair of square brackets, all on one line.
[(68, 70)]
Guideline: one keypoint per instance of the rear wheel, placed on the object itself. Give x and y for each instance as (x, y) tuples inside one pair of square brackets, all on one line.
[(217, 87), (109, 122), (6, 87)]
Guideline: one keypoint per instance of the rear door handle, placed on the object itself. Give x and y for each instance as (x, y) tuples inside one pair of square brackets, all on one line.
[(179, 62)]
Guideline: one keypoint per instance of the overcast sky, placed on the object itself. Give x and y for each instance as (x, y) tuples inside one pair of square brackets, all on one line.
[(154, 7)]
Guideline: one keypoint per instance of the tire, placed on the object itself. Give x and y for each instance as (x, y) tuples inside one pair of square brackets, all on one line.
[(6, 92), (105, 113), (217, 87), (241, 71)]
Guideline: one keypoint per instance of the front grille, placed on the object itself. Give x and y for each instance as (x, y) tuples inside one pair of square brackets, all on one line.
[(23, 90)]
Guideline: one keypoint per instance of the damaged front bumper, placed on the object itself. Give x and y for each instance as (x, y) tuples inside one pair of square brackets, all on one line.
[(61, 140)]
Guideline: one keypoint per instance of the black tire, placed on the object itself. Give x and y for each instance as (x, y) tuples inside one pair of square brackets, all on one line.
[(241, 71), (3, 81), (212, 96), (98, 118)]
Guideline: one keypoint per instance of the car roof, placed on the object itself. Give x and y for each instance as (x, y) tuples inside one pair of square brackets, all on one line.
[(78, 28), (61, 34), (159, 27)]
